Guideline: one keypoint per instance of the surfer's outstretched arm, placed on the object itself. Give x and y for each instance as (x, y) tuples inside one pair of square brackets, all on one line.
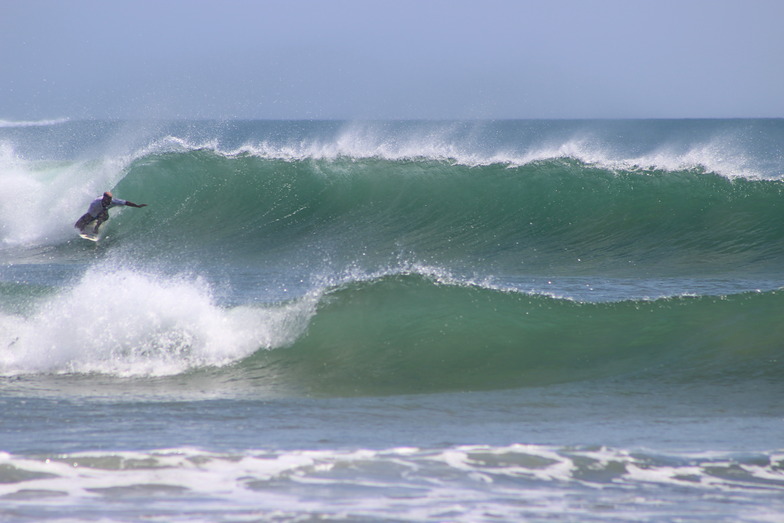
[(131, 204)]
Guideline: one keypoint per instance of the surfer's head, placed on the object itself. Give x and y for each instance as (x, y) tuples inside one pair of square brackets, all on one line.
[(107, 197)]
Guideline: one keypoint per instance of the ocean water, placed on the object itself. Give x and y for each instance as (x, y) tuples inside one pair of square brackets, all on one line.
[(393, 321)]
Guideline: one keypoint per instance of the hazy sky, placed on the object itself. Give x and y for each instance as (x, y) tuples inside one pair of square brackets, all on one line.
[(366, 59)]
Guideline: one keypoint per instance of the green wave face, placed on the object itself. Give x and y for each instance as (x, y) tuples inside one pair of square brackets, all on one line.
[(406, 334), (555, 215)]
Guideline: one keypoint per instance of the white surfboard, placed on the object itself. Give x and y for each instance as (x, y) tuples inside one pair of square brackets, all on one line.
[(89, 236)]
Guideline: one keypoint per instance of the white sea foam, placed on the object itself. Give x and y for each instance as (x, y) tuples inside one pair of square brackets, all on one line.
[(461, 483), (123, 322)]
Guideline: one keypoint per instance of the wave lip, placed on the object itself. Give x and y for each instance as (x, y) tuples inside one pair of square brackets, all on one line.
[(710, 158), (742, 149)]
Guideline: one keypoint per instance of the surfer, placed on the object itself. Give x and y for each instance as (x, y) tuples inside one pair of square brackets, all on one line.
[(99, 211)]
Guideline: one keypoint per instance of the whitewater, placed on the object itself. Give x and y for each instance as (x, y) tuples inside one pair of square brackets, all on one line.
[(393, 320)]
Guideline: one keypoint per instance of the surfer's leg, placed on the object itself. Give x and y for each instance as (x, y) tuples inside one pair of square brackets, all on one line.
[(102, 217), (83, 222)]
